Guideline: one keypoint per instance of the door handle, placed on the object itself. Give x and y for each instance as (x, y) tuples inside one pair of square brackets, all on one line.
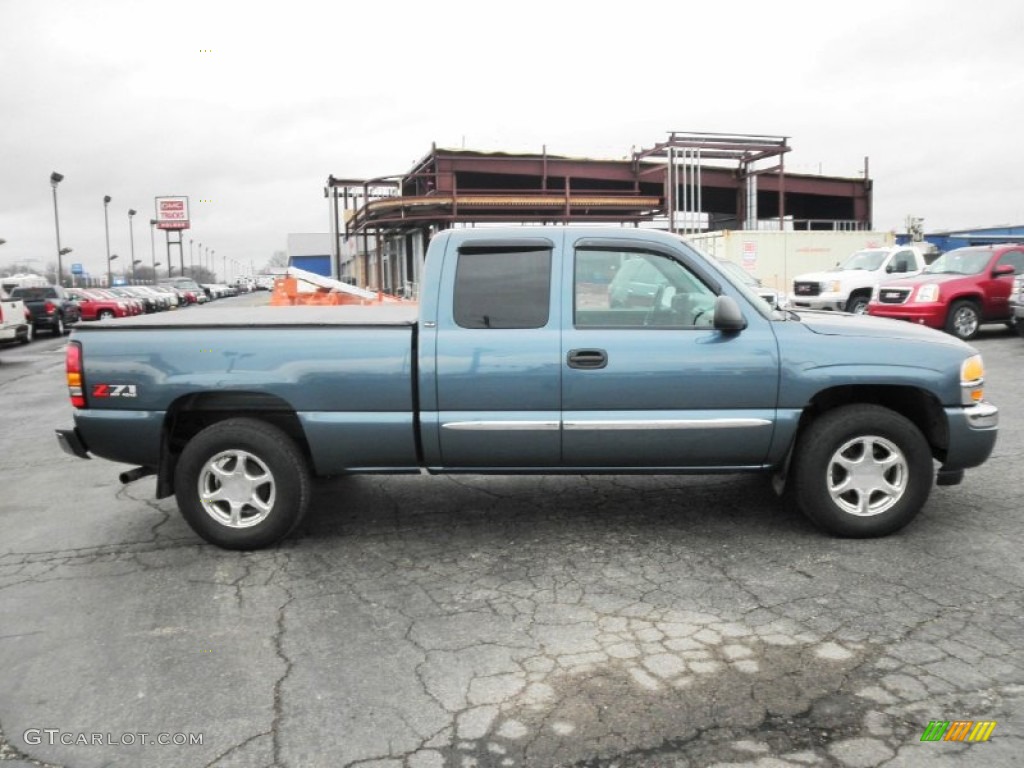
[(587, 358)]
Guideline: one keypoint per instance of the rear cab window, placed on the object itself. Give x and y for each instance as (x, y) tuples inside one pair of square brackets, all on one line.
[(501, 288)]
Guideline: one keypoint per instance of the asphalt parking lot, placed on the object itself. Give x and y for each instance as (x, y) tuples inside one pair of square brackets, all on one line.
[(419, 622)]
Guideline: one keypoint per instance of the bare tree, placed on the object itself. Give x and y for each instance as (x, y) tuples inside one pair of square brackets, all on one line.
[(279, 259)]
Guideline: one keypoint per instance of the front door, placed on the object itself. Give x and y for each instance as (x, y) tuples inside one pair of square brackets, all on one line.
[(646, 379)]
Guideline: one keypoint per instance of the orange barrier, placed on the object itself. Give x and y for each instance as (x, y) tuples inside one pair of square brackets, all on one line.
[(286, 293)]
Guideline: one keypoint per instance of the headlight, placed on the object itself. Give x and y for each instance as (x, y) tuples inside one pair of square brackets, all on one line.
[(928, 292), (972, 380), (832, 286)]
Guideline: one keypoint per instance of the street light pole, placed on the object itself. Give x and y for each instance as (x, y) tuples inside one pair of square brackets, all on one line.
[(55, 179), (152, 245), (106, 227), (190, 257), (131, 238)]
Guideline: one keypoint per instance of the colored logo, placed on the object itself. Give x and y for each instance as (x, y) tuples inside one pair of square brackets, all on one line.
[(958, 730)]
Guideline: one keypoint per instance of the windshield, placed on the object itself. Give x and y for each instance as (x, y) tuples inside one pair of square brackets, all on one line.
[(868, 260), (739, 273), (962, 261)]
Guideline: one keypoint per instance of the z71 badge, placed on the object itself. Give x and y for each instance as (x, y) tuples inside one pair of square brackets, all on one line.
[(113, 390)]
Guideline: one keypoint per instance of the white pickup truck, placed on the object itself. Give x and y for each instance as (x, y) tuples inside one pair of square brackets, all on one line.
[(847, 288), (14, 324)]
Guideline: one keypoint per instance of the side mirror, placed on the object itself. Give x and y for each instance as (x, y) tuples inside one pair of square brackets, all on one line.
[(728, 316), (888, 268), (1002, 270)]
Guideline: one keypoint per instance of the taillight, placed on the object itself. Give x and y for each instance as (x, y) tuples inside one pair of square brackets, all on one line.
[(50, 309), (73, 366)]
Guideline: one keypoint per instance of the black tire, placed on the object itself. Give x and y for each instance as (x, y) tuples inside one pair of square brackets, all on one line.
[(963, 320), (843, 435), (283, 487), (857, 305), (58, 327)]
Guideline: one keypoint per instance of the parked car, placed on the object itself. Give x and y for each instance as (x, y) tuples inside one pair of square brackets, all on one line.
[(506, 366), (187, 288), (774, 298), (96, 305), (959, 292), (49, 306), (15, 320), (847, 288), (135, 304), (1017, 303)]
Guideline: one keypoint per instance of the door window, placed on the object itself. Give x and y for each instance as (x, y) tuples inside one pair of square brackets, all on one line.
[(1014, 259), (638, 289)]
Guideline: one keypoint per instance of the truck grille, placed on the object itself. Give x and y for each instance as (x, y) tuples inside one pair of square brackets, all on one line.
[(893, 295), (806, 289)]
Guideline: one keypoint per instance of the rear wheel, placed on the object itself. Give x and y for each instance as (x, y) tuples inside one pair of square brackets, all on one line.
[(58, 327), (242, 484), (862, 471), (963, 320)]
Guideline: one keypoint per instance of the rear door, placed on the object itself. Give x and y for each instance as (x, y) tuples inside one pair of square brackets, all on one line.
[(649, 382), (497, 372)]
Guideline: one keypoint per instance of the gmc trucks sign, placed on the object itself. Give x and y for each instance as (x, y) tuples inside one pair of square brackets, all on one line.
[(172, 213)]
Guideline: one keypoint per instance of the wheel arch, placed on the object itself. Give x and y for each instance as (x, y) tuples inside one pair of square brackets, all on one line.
[(919, 405), (190, 414)]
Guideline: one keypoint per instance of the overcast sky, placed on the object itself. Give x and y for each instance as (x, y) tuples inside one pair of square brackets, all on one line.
[(248, 110)]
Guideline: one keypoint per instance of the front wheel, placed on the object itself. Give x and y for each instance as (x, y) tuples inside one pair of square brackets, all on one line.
[(963, 320), (862, 471), (242, 484), (857, 305)]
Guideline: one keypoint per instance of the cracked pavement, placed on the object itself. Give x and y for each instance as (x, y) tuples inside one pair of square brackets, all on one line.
[(421, 622)]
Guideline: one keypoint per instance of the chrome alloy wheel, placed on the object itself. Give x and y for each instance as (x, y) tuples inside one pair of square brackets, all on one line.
[(867, 475), (236, 489), (965, 321)]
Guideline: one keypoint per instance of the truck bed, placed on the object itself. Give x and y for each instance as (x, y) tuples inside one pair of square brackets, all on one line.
[(257, 317)]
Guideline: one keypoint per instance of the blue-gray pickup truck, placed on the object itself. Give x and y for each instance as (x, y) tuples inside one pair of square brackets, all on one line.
[(533, 350)]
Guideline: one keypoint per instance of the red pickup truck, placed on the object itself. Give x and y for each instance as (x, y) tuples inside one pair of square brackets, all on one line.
[(958, 292)]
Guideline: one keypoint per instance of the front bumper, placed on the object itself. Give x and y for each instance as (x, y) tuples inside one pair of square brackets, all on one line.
[(972, 435), (826, 301), (931, 315)]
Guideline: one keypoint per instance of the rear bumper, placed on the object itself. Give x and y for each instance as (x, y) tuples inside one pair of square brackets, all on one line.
[(71, 442)]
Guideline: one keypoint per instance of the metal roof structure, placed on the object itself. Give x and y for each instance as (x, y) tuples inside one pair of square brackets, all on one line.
[(690, 182)]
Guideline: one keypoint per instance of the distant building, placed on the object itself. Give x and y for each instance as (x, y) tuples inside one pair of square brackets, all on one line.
[(311, 252), (690, 183), (947, 240)]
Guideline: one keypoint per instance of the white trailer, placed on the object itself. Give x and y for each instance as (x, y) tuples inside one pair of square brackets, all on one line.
[(776, 257)]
